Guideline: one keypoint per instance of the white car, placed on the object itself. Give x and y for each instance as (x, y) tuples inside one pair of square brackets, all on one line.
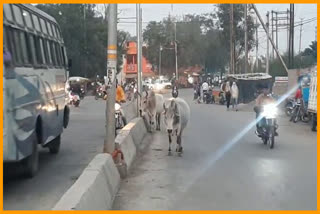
[(161, 84)]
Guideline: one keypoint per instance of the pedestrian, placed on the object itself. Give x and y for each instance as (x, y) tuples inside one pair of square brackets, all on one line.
[(234, 95), (228, 94)]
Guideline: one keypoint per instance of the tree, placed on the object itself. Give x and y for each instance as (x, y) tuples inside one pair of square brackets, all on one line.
[(85, 34), (223, 23)]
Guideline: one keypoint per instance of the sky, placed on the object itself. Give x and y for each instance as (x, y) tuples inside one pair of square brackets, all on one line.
[(156, 12)]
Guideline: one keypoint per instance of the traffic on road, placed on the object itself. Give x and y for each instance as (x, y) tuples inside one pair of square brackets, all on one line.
[(166, 122)]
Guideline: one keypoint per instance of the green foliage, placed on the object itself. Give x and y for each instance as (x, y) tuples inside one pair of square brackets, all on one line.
[(85, 38), (201, 39)]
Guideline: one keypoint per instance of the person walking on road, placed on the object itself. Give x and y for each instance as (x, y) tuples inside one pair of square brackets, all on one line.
[(234, 95), (228, 94)]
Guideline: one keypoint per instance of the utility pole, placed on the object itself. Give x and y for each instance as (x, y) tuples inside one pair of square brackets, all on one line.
[(176, 49), (257, 43), (277, 30), (109, 145), (300, 36), (231, 70), (139, 48), (245, 38), (160, 50), (272, 31), (85, 41), (315, 34), (268, 37), (291, 37), (267, 57)]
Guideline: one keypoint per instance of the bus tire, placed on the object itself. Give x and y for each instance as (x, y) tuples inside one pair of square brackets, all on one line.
[(54, 145), (31, 163)]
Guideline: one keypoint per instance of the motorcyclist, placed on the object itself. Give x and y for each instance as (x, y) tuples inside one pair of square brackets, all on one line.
[(205, 88), (262, 100), (175, 88)]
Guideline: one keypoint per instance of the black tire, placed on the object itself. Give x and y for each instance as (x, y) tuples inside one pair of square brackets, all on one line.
[(306, 118), (265, 140), (314, 123), (288, 110), (54, 145), (96, 97), (31, 163), (77, 103), (271, 139)]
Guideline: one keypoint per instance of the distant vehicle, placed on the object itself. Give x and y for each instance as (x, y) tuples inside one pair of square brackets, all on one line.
[(35, 73), (161, 84)]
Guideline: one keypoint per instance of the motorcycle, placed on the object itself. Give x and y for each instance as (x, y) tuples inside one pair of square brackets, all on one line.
[(290, 105), (222, 99), (175, 92), (100, 93), (119, 119), (81, 95), (268, 125), (74, 99), (209, 99), (299, 113)]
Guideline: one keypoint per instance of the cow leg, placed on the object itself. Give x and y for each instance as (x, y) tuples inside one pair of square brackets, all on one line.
[(170, 141), (179, 147), (158, 121)]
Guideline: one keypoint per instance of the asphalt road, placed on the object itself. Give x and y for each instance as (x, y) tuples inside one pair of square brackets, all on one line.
[(81, 141), (225, 166)]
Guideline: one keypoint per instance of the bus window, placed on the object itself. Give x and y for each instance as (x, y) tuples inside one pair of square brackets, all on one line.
[(49, 28), (24, 48), (43, 26), (38, 51), (53, 30), (58, 32), (53, 53), (17, 52), (49, 52), (29, 50), (27, 19), (42, 51), (45, 51), (58, 54), (32, 48), (7, 11), (36, 22), (64, 61), (17, 15)]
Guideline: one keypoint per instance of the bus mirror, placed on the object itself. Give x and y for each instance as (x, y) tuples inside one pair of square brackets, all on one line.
[(69, 63)]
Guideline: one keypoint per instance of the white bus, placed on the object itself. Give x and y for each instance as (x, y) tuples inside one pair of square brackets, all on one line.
[(35, 73)]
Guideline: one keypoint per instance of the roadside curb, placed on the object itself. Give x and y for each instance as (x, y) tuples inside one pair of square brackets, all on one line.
[(99, 183), (96, 187)]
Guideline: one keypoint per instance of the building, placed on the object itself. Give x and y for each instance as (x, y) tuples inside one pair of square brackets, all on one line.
[(130, 68)]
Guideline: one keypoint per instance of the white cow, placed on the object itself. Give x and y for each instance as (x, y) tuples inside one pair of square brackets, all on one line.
[(148, 108), (177, 115)]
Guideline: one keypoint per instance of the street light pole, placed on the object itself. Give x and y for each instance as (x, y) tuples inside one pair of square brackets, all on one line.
[(160, 50), (175, 47), (109, 145), (245, 38), (139, 51)]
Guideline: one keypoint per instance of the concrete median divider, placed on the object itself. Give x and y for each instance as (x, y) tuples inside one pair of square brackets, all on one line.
[(98, 184), (96, 187)]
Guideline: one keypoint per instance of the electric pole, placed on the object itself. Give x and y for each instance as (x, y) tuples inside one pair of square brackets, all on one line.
[(231, 70), (139, 49), (277, 30), (175, 48), (257, 43), (267, 57), (245, 38), (160, 50), (109, 146), (291, 37), (272, 31), (268, 37), (300, 36)]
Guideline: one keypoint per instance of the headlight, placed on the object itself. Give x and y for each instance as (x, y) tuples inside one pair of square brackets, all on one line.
[(270, 111), (117, 107)]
